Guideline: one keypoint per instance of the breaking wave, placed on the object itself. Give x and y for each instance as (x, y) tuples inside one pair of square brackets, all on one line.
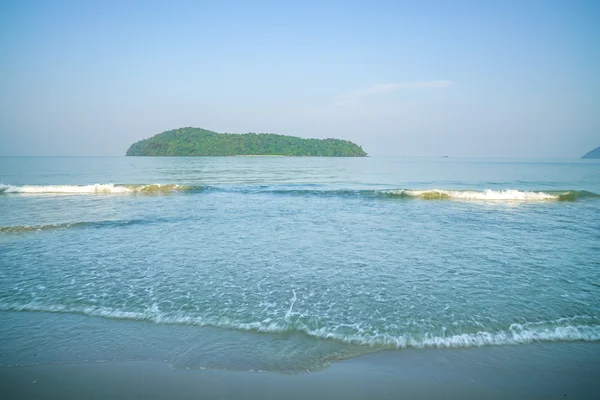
[(580, 328), (429, 194), (495, 195), (105, 188)]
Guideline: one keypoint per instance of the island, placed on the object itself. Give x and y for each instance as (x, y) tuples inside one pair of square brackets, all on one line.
[(592, 154), (201, 142)]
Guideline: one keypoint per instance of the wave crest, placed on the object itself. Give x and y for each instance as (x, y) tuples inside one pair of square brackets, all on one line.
[(426, 194), (488, 194), (35, 228), (103, 188), (563, 329), (81, 224)]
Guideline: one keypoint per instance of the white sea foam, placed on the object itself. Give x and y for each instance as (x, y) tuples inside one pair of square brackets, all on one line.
[(104, 188), (580, 328), (482, 195), (67, 189), (432, 194)]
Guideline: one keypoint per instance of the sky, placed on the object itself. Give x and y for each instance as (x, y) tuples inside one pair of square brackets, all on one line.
[(401, 78)]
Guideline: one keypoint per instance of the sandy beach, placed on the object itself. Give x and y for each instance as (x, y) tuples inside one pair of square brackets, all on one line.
[(537, 371)]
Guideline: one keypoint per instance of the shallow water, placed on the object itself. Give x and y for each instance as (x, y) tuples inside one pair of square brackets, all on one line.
[(303, 260)]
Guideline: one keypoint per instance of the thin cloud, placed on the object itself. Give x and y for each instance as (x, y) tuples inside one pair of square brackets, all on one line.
[(382, 88)]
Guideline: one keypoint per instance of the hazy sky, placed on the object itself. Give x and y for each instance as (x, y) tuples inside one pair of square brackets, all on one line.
[(421, 78)]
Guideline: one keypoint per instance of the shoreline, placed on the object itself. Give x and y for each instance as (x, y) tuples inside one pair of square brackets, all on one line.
[(544, 371)]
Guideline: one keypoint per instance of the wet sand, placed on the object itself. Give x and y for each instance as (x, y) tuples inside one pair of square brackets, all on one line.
[(536, 371)]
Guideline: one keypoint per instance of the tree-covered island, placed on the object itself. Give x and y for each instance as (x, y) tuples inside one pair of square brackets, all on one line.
[(201, 142)]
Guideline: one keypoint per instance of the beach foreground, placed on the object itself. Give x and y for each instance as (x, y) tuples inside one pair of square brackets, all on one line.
[(536, 371)]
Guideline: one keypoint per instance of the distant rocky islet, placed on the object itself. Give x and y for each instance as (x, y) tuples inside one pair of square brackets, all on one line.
[(592, 154)]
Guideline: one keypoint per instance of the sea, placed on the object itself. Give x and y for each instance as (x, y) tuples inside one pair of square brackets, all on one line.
[(288, 264)]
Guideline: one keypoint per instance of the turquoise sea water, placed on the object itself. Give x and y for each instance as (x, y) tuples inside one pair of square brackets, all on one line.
[(287, 264)]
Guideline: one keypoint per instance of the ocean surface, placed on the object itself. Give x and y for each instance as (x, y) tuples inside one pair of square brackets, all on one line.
[(288, 264)]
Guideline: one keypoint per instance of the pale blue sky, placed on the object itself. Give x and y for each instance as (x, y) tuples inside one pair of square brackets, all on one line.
[(421, 78)]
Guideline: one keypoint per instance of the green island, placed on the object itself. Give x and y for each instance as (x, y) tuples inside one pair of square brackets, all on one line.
[(202, 142), (592, 154)]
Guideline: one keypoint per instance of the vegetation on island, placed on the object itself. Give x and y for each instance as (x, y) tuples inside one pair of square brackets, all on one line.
[(201, 142), (592, 154)]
